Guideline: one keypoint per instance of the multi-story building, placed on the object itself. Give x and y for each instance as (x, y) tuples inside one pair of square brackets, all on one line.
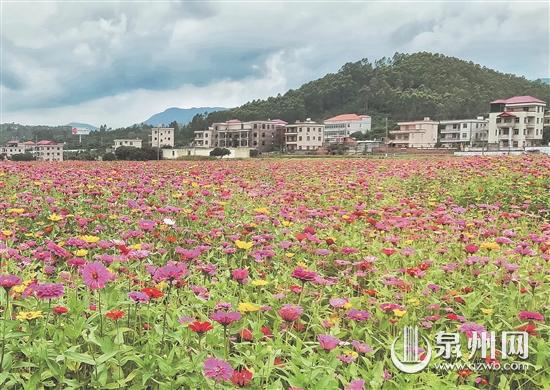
[(463, 132), (304, 136), (546, 125), (342, 126), (516, 122), (41, 150), (415, 134), (133, 142), (162, 136), (262, 135)]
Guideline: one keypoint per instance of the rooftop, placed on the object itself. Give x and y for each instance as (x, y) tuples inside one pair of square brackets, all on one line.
[(346, 118), (518, 100)]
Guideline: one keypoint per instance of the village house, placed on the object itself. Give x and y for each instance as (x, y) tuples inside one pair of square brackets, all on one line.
[(415, 134), (41, 150), (340, 127), (132, 142), (460, 133), (304, 136)]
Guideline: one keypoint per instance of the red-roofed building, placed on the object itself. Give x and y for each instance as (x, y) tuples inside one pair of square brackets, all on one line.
[(516, 122), (340, 127)]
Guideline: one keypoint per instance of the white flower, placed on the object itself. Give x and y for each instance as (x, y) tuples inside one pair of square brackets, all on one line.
[(169, 222)]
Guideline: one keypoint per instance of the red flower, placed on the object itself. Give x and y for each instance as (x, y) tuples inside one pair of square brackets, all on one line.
[(152, 292), (460, 300), (200, 327), (464, 373), (60, 310), (531, 329), (266, 332), (471, 248), (389, 251), (371, 293), (246, 335), (241, 378), (114, 314)]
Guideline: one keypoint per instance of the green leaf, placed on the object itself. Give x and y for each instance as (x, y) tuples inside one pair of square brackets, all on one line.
[(80, 357)]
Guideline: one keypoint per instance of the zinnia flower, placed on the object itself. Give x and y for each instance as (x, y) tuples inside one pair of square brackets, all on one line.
[(241, 378), (95, 275), (226, 318), (358, 315), (530, 315), (152, 292), (200, 327), (8, 281), (60, 310), (303, 274), (138, 297), (327, 342), (290, 313), (114, 314), (240, 275), (217, 369), (49, 290)]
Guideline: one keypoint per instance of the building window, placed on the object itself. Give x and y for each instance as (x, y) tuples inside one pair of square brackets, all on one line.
[(464, 125)]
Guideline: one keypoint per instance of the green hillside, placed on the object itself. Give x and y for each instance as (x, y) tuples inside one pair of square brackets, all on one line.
[(406, 86)]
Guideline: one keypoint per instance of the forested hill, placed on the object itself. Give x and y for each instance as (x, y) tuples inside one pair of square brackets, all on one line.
[(407, 86)]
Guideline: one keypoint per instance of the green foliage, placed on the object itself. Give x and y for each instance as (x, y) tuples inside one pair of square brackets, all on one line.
[(109, 157), (136, 154), (220, 152), (22, 157)]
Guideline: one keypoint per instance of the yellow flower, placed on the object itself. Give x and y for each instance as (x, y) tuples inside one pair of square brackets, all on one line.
[(89, 238), (28, 315), (16, 211), (10, 220), (487, 311), (21, 287), (247, 307), (113, 216), (194, 184), (414, 301), (136, 247), (399, 313), (55, 217), (351, 353), (162, 285), (259, 282), (290, 255), (81, 252), (490, 246), (287, 223), (345, 217), (348, 305), (301, 264), (7, 233), (243, 244), (177, 195), (261, 210)]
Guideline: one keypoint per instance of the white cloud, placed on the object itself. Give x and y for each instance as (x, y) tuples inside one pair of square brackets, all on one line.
[(116, 63)]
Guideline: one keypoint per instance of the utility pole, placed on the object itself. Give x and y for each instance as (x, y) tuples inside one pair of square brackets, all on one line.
[(386, 136)]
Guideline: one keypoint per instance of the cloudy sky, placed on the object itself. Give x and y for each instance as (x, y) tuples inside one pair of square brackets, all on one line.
[(120, 62)]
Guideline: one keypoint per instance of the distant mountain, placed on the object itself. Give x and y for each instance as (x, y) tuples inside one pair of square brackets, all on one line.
[(82, 125), (181, 115), (545, 80)]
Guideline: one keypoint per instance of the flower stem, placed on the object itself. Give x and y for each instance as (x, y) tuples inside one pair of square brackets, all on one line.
[(165, 312), (4, 330), (100, 316)]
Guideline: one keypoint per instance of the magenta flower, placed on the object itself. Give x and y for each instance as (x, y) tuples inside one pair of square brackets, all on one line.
[(217, 369), (356, 384), (358, 315), (338, 303), (327, 342), (290, 313), (361, 347), (9, 281), (171, 271), (95, 275), (240, 275), (49, 290), (303, 274), (530, 315), (225, 318), (138, 297), (470, 327)]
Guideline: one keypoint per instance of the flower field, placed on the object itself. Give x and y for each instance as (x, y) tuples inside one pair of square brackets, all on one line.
[(270, 274)]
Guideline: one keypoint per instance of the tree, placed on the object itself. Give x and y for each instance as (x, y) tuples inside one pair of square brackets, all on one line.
[(22, 157), (220, 152), (109, 157)]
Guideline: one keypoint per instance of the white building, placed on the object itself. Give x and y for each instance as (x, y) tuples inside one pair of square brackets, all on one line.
[(261, 135), (516, 122), (415, 134), (463, 132), (136, 143), (162, 136), (304, 136), (342, 126), (41, 150)]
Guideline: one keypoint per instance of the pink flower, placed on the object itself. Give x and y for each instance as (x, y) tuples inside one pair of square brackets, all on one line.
[(171, 271), (95, 275), (356, 384), (8, 281), (49, 290), (290, 313), (138, 297), (217, 369), (240, 275), (361, 347), (303, 274), (226, 318), (470, 327), (530, 315), (327, 342), (358, 315), (338, 303)]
